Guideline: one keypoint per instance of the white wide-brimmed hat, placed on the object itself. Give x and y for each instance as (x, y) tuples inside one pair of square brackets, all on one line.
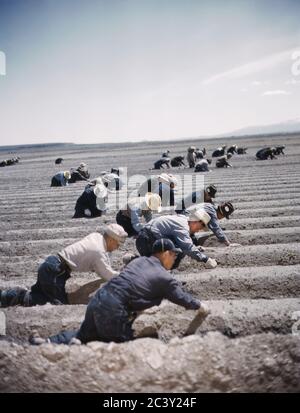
[(168, 179), (153, 201), (199, 215)]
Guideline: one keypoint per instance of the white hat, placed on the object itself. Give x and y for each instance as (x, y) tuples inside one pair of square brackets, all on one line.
[(153, 201), (83, 165), (167, 179), (199, 215), (100, 191), (116, 232), (101, 196)]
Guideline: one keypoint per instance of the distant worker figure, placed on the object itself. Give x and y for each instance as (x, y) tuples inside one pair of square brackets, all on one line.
[(166, 154), (111, 180), (142, 284), (199, 154), (177, 161), (279, 150), (58, 161), (92, 202), (88, 254), (177, 228), (191, 156), (232, 149), (265, 153), (161, 163), (61, 179), (223, 161), (241, 151), (202, 165), (196, 197), (136, 209), (8, 162), (219, 151), (80, 174)]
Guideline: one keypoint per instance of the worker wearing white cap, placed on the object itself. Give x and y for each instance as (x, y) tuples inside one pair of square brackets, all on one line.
[(90, 254), (130, 217), (179, 230), (61, 179), (92, 202)]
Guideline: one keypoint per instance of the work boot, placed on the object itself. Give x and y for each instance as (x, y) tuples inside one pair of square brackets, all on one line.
[(75, 341), (36, 340), (12, 297)]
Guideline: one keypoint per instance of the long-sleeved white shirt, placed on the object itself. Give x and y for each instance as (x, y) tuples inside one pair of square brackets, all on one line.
[(89, 254)]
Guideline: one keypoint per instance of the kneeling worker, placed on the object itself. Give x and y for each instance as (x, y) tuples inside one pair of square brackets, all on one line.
[(88, 254), (92, 202), (61, 179), (177, 228), (142, 284)]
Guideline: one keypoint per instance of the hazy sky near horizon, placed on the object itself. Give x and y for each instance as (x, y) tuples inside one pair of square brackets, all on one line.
[(115, 70)]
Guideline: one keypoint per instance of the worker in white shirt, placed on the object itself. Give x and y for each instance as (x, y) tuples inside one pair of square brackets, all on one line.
[(88, 254)]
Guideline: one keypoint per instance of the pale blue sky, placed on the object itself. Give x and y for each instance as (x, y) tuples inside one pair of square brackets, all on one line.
[(95, 71)]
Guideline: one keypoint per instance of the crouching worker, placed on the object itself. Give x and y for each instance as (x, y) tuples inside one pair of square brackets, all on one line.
[(130, 218), (61, 179), (179, 229), (216, 212), (88, 254), (142, 284), (223, 161), (92, 202)]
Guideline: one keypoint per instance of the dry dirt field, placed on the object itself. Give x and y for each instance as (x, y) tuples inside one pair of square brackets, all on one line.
[(250, 342)]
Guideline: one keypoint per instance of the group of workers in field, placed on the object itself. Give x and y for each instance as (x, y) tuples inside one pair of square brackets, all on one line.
[(162, 241)]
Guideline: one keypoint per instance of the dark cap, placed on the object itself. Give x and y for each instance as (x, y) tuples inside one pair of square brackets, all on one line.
[(226, 209), (211, 190), (164, 244)]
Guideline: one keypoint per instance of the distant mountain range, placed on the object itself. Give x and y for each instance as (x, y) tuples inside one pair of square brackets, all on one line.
[(290, 126)]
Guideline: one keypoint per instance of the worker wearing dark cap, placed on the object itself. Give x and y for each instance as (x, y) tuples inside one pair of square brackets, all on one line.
[(216, 212), (142, 284)]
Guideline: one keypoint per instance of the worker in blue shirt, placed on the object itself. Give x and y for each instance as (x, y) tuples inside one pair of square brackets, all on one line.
[(216, 212), (61, 179), (179, 229), (142, 284)]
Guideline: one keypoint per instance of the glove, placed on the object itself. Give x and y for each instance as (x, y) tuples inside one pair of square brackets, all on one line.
[(198, 319), (204, 310), (211, 263)]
